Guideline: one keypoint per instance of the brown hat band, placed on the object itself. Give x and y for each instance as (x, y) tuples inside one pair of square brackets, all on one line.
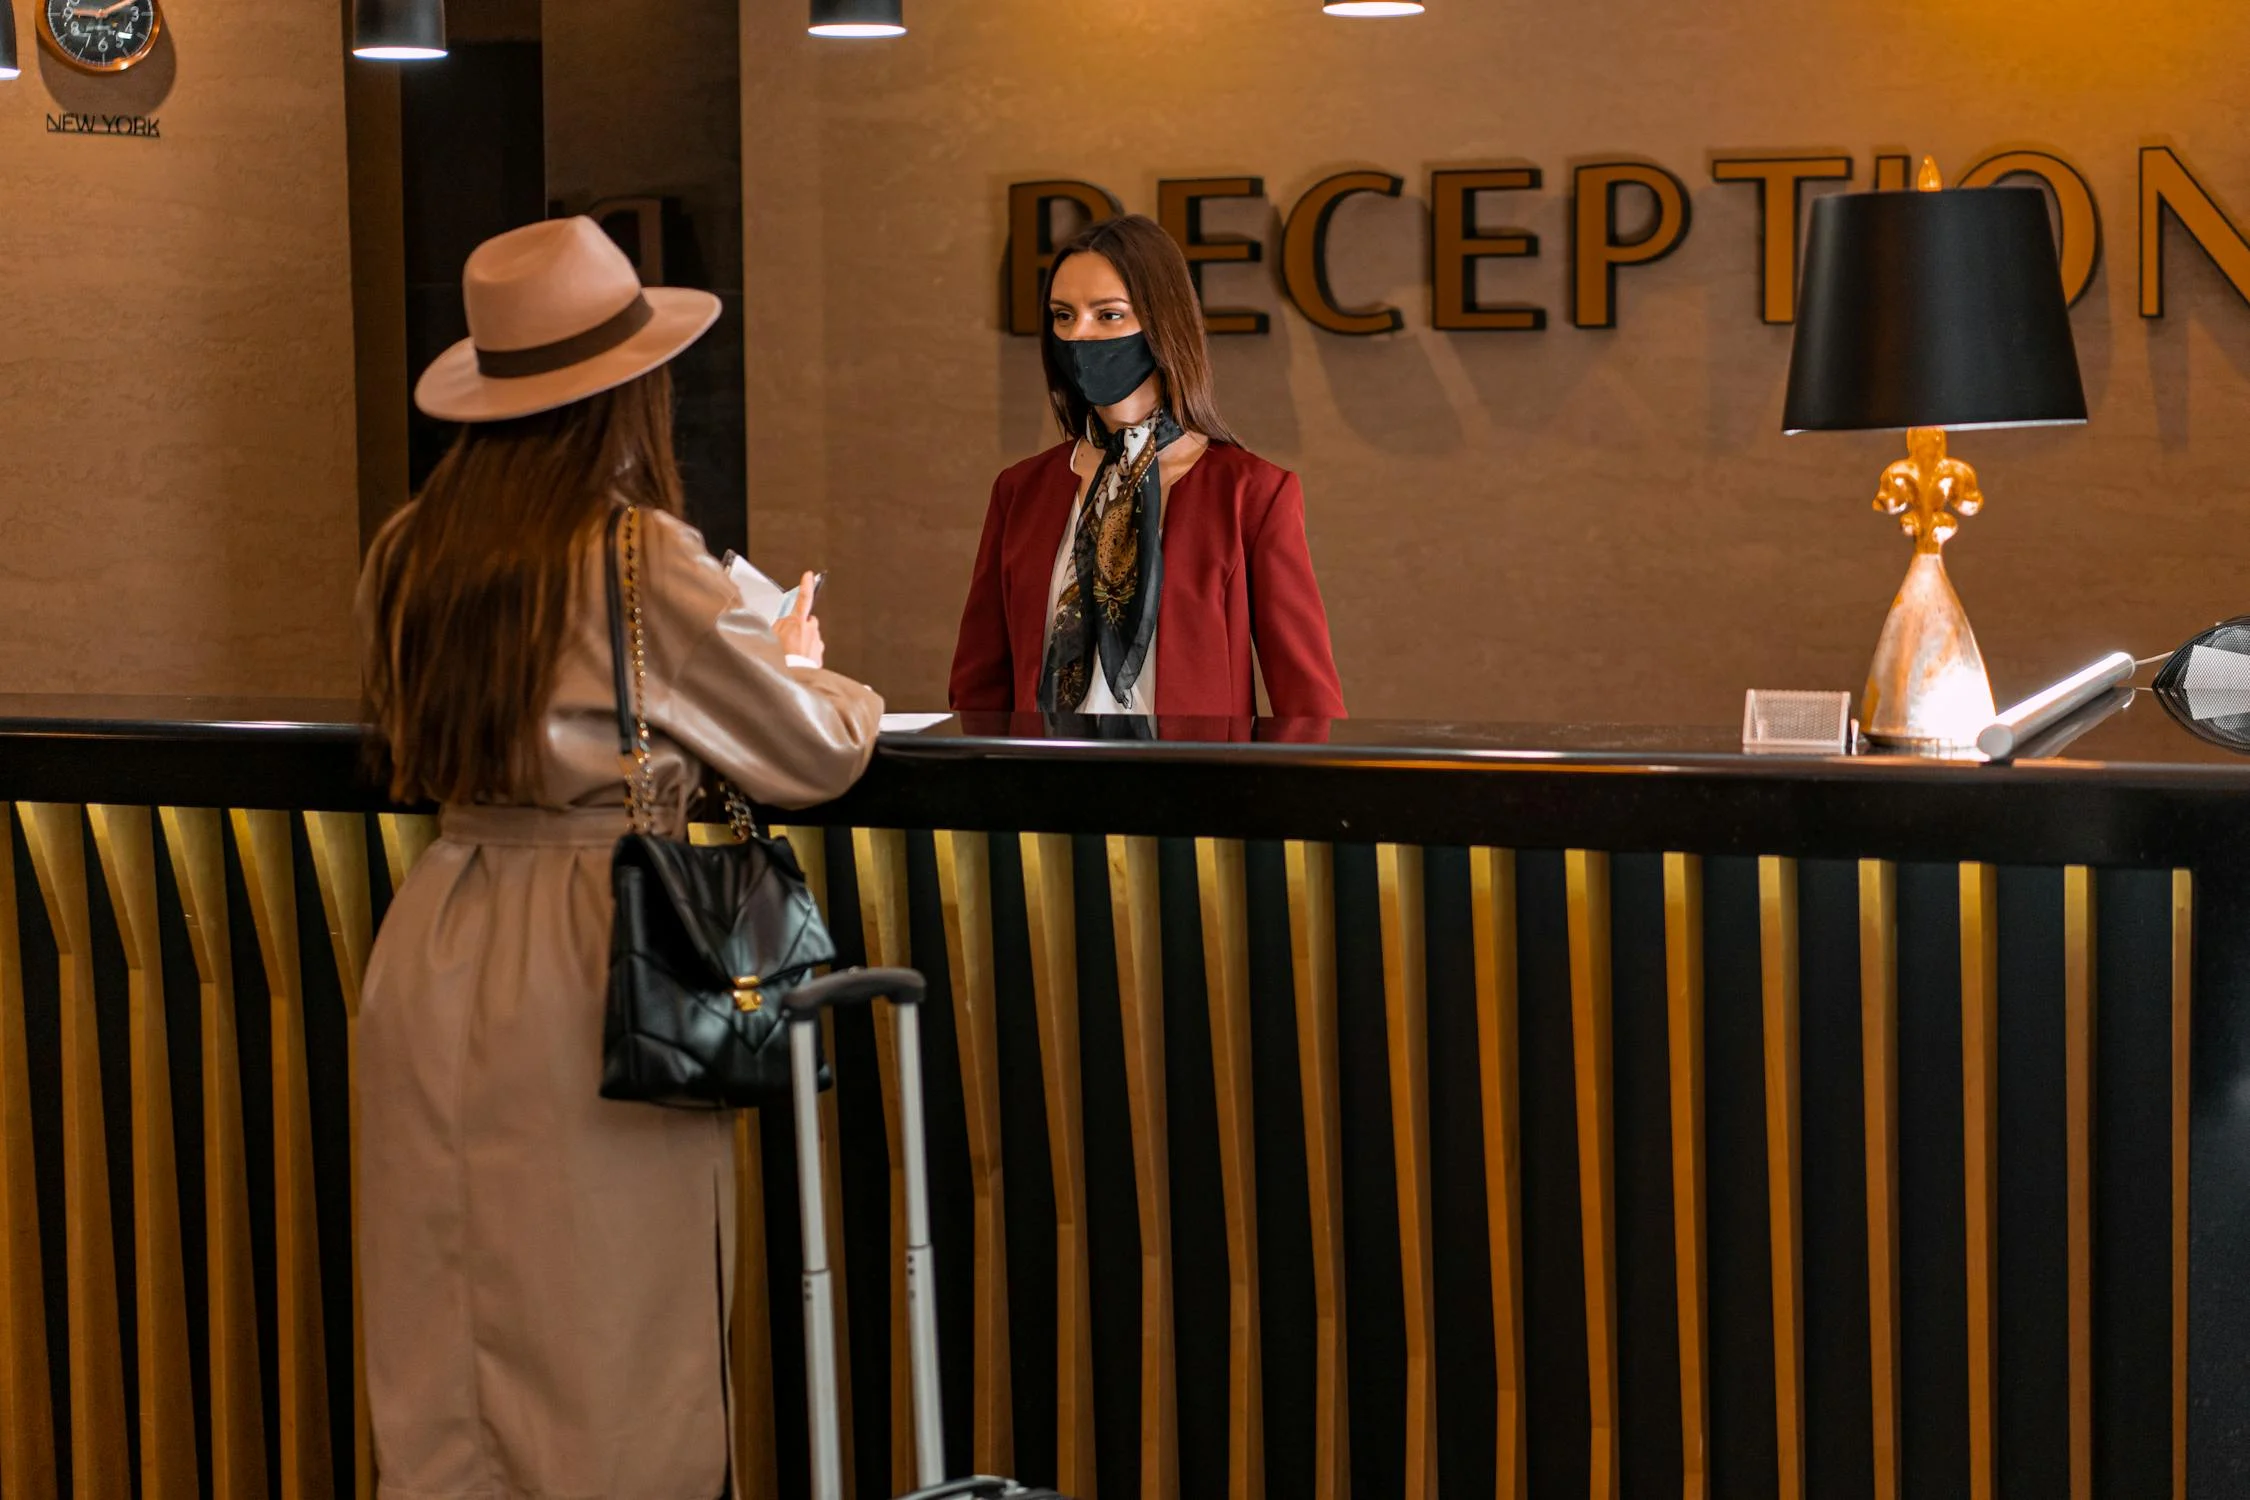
[(545, 359)]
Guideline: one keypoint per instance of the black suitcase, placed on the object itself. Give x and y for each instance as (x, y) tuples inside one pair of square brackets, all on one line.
[(904, 989)]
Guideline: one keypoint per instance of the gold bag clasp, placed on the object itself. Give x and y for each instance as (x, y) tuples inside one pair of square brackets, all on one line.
[(747, 993)]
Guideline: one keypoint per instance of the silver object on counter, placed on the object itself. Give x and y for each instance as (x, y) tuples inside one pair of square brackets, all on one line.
[(2050, 706), (1778, 722)]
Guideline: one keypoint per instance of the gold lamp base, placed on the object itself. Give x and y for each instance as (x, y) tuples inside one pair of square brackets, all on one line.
[(1927, 688)]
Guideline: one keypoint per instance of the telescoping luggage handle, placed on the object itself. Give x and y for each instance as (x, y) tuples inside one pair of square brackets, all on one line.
[(904, 989)]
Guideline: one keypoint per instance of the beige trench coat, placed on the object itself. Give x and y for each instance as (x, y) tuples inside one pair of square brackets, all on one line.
[(546, 1273)]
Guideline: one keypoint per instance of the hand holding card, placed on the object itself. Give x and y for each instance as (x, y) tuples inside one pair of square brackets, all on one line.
[(798, 631)]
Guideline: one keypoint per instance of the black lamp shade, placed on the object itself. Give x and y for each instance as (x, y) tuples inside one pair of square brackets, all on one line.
[(1940, 309), (9, 67), (858, 18), (398, 30)]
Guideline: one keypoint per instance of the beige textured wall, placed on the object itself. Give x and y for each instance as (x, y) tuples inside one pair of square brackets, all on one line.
[(178, 483), (1567, 524)]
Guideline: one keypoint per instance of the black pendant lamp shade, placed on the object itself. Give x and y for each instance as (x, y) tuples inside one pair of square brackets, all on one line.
[(398, 30), (9, 67), (1932, 309), (858, 18)]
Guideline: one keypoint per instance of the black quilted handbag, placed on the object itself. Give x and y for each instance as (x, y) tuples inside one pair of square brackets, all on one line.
[(707, 937)]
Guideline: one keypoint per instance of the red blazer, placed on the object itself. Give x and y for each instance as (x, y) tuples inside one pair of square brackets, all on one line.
[(1237, 574)]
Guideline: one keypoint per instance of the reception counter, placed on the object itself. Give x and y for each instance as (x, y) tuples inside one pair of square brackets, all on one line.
[(1316, 1109)]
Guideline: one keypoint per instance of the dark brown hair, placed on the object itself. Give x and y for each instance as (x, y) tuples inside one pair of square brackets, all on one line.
[(1156, 278), (472, 586)]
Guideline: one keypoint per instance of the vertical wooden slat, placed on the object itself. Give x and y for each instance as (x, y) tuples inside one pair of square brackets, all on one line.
[(964, 862), (406, 838), (196, 838), (1878, 1012), (2183, 998), (749, 1320), (1587, 877), (1135, 911), (1492, 921), (125, 839), (1778, 973), (879, 856), (98, 1449), (1980, 1098), (2079, 1001), (1048, 901), (1226, 966), (1406, 1011), (811, 848), (27, 1432), (307, 1472), (339, 851), (1312, 947), (1683, 992)]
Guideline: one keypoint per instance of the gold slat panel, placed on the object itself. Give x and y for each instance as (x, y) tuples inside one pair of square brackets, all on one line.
[(1406, 1011), (1492, 920), (1878, 1011), (406, 838), (811, 848), (1226, 967), (1134, 908), (879, 856), (2183, 998), (196, 838), (750, 1324), (1587, 875), (125, 839), (97, 1375), (1683, 991), (2079, 1001), (964, 862), (756, 1439), (1312, 945), (1778, 973), (1980, 1098), (27, 1432), (1048, 902), (339, 851), (307, 1472)]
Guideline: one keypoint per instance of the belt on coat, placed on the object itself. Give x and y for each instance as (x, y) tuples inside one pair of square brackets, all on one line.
[(564, 826)]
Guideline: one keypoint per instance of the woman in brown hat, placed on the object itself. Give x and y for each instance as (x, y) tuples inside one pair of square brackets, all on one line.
[(546, 1273)]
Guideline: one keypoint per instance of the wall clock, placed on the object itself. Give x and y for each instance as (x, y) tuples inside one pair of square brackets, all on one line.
[(100, 36)]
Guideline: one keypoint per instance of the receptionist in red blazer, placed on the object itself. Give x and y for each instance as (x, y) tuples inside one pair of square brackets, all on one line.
[(1141, 563)]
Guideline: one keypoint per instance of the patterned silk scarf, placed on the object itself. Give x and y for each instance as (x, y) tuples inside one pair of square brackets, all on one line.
[(1107, 611)]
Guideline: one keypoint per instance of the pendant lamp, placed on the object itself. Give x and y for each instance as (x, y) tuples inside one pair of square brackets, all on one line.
[(8, 65), (857, 18), (1373, 8), (398, 30)]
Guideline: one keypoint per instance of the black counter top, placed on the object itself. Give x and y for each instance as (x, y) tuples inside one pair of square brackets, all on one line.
[(2135, 788)]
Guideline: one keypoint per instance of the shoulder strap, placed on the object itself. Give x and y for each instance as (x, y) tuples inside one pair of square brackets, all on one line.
[(617, 645)]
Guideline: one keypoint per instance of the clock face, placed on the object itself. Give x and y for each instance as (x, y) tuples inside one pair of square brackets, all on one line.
[(99, 36)]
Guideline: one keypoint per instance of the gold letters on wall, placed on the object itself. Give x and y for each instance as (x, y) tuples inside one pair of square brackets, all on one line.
[(1603, 236)]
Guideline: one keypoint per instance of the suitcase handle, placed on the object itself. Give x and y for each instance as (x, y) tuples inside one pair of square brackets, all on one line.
[(905, 989), (853, 987)]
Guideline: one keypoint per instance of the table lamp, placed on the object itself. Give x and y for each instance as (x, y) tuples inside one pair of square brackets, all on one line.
[(1921, 311)]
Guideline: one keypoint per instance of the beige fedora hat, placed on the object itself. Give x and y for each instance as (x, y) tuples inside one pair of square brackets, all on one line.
[(556, 314)]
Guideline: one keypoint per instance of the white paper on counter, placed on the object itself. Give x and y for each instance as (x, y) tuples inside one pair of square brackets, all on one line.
[(912, 723)]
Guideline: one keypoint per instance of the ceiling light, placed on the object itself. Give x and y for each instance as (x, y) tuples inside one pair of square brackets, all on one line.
[(398, 30), (857, 18), (1373, 7)]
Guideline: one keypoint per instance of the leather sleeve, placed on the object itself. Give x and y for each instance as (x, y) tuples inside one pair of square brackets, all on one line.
[(720, 686), (984, 677), (1288, 623)]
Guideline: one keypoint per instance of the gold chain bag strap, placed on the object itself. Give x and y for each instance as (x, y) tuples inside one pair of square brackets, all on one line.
[(705, 937)]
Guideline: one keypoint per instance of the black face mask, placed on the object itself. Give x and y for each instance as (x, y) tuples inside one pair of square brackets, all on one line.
[(1106, 371)]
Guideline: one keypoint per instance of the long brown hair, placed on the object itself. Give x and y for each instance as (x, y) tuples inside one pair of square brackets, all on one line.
[(472, 586), (1156, 278)]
